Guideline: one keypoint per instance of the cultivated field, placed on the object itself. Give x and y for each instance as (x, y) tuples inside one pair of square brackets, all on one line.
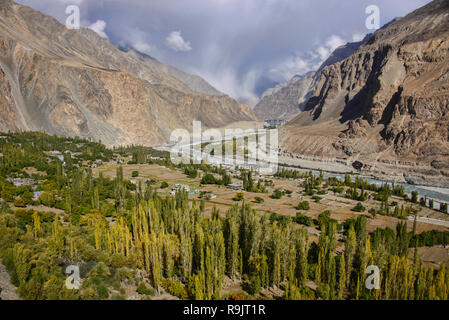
[(339, 206)]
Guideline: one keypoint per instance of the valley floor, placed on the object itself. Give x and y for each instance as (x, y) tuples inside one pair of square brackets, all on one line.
[(341, 207)]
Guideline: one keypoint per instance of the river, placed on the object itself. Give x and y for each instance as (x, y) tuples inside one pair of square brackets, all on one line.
[(437, 194)]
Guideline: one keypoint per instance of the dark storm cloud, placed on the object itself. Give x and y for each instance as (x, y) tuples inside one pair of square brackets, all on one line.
[(234, 44)]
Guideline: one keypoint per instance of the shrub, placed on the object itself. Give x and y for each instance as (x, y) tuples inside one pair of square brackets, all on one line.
[(118, 260), (255, 285), (175, 288), (164, 185), (239, 197), (303, 206), (24, 215), (277, 194), (281, 219), (102, 291), (144, 290), (359, 208), (100, 270), (317, 199), (124, 273), (259, 200), (304, 220), (338, 189), (135, 174), (191, 172), (47, 199), (19, 203), (209, 179), (89, 294)]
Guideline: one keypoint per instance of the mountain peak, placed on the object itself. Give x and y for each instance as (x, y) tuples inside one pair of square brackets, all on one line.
[(75, 83), (388, 103)]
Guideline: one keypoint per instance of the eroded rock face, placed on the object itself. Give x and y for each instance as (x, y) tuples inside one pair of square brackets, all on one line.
[(74, 83), (387, 101), (287, 100)]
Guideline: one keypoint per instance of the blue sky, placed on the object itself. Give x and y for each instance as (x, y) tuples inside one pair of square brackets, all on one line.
[(238, 46)]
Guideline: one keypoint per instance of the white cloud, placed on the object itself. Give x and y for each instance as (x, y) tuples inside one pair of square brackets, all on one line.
[(99, 27), (275, 37), (176, 42), (143, 47), (331, 44), (303, 63), (227, 80), (356, 37)]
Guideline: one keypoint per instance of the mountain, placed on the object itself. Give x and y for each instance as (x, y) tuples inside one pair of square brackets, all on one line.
[(75, 83), (287, 100), (194, 82), (387, 105)]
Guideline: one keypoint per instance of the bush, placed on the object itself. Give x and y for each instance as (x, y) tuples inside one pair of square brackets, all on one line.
[(259, 200), (175, 288), (277, 194), (254, 286), (19, 203), (135, 174), (164, 185), (102, 291), (317, 199), (239, 197), (359, 208), (118, 260), (100, 270), (304, 220), (47, 199), (209, 179), (89, 294), (191, 172), (24, 215), (144, 290), (303, 206), (281, 219), (338, 189)]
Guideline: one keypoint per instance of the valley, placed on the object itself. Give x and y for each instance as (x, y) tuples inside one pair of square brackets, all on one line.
[(87, 210), (126, 178)]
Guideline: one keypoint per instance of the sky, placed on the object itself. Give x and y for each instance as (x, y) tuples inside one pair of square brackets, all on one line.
[(241, 47)]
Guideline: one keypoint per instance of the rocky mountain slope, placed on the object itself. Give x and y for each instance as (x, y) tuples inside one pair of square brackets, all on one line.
[(387, 105), (287, 100), (75, 83), (194, 82)]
